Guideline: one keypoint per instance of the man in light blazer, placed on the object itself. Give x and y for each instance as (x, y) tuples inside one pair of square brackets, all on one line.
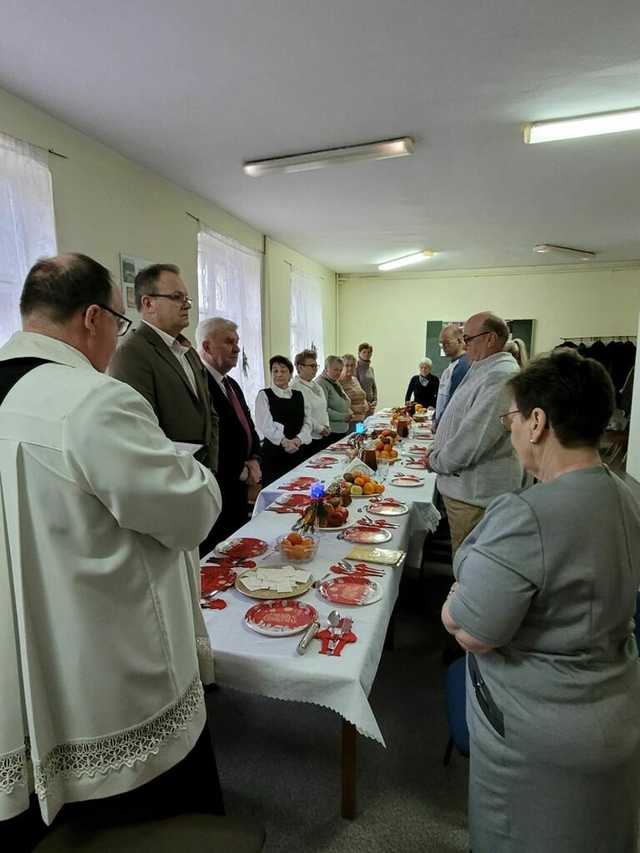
[(159, 362), (239, 456)]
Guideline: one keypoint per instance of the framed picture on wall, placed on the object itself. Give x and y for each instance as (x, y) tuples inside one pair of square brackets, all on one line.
[(130, 266)]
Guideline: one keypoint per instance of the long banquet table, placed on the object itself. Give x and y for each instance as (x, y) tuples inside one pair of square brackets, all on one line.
[(271, 667)]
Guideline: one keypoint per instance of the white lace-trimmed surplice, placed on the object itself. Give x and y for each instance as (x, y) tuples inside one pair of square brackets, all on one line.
[(101, 631)]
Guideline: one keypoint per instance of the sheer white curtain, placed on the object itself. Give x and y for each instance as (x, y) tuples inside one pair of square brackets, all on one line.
[(229, 277), (27, 225), (306, 330)]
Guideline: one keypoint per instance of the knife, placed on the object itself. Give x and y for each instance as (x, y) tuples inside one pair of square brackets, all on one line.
[(309, 634)]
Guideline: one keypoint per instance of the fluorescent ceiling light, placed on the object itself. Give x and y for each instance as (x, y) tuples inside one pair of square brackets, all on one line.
[(574, 128), (406, 261), (582, 254), (319, 159)]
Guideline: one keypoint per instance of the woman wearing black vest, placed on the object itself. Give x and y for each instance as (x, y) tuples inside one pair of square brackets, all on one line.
[(282, 420)]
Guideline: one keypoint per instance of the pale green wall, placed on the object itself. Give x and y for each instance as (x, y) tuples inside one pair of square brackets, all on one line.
[(391, 311), (278, 263), (106, 205)]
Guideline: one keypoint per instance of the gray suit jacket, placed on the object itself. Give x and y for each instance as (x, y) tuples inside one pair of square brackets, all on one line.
[(145, 362)]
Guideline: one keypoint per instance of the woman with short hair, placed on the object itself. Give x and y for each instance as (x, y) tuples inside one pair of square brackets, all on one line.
[(423, 387), (282, 419), (353, 390), (315, 402), (338, 403), (544, 601)]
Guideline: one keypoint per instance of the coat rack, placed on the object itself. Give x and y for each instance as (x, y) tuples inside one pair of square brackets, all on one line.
[(602, 338)]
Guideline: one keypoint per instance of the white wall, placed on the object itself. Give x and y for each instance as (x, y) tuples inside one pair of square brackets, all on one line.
[(391, 311), (278, 263), (106, 204), (633, 453)]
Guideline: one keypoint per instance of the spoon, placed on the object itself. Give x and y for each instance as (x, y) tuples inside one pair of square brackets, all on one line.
[(334, 619), (209, 595)]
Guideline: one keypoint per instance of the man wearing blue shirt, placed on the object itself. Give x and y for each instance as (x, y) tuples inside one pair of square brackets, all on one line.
[(453, 347)]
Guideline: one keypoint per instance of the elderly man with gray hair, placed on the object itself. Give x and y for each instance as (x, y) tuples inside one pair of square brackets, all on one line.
[(239, 446), (338, 402), (472, 452), (423, 387)]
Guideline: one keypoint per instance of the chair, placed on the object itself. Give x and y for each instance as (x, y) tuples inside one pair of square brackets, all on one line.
[(192, 833), (636, 630), (456, 698)]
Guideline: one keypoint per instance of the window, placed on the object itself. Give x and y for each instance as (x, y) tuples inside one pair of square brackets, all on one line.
[(27, 225), (306, 329), (229, 286)]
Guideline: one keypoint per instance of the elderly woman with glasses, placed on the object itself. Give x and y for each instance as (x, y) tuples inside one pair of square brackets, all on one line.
[(282, 418), (354, 390), (338, 403), (314, 400), (423, 387), (543, 603)]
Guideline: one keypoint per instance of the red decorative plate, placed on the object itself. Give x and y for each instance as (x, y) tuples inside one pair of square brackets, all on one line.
[(407, 480), (354, 589), (387, 508), (240, 549), (216, 576), (366, 535), (280, 618)]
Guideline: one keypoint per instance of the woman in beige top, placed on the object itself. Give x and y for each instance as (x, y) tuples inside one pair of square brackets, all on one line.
[(353, 389)]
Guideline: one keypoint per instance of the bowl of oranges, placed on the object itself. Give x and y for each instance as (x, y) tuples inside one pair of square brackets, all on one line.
[(362, 485), (298, 547)]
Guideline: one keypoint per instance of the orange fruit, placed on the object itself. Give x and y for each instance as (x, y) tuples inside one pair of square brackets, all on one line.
[(369, 488), (379, 488), (295, 538), (359, 480)]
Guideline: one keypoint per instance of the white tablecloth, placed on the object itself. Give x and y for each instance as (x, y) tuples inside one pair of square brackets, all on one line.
[(270, 666), (423, 518)]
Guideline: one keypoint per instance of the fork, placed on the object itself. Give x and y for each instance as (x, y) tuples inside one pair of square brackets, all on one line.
[(352, 570)]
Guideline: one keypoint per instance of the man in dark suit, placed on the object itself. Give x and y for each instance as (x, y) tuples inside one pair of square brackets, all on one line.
[(159, 362), (239, 445)]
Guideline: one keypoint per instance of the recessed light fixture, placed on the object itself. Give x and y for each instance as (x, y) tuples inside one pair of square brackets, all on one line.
[(407, 260), (574, 128), (582, 254), (381, 150)]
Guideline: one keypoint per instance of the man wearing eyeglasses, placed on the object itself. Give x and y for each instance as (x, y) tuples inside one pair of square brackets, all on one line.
[(158, 361), (472, 452), (101, 628)]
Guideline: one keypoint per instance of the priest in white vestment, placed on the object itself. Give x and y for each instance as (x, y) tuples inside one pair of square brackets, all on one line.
[(101, 629)]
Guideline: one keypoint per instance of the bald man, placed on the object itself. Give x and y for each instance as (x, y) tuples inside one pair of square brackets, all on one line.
[(472, 453), (453, 347)]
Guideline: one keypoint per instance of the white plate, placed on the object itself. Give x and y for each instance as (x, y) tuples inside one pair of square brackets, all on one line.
[(368, 535), (388, 509), (404, 482)]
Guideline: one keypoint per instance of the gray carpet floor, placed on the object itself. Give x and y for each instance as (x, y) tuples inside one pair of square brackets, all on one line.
[(279, 762)]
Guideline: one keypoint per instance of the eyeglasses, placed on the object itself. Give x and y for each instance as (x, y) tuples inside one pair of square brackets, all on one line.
[(467, 338), (174, 297), (123, 324), (507, 423)]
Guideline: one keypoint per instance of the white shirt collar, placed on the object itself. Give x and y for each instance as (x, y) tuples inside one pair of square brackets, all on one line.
[(169, 340), (281, 392)]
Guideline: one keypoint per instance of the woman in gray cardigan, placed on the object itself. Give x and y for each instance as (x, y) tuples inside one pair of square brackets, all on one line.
[(338, 403), (544, 603)]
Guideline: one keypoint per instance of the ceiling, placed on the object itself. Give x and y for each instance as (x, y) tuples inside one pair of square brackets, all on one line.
[(192, 90)]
